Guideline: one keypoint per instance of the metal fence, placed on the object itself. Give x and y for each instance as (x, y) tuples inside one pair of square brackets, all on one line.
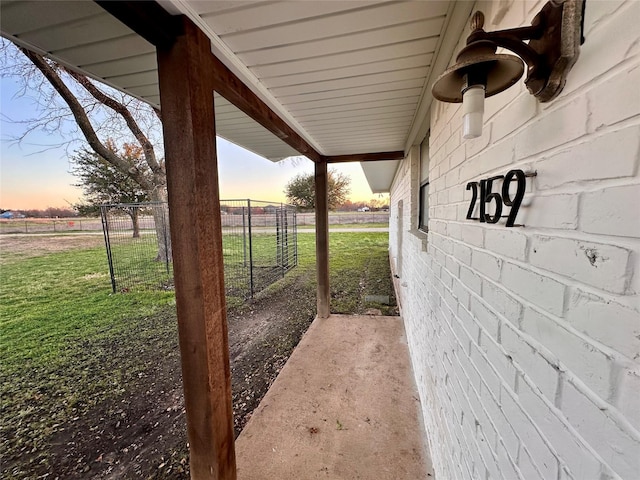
[(259, 241), (49, 225)]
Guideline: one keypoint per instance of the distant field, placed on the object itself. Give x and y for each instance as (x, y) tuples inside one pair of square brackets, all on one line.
[(74, 225)]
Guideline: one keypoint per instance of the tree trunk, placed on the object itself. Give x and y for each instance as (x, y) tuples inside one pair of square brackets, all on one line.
[(161, 221), (134, 214)]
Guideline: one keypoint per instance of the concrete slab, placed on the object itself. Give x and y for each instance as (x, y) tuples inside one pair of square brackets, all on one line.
[(345, 406)]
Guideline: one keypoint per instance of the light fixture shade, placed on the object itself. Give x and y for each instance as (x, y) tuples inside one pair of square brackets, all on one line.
[(502, 71)]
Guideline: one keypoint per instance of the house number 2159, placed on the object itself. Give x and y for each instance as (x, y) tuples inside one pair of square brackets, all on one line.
[(483, 189)]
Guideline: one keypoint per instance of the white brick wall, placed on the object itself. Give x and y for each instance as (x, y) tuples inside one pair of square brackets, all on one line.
[(525, 342)]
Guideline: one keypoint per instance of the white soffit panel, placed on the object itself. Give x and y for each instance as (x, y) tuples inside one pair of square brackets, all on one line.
[(380, 174), (348, 76), (235, 126)]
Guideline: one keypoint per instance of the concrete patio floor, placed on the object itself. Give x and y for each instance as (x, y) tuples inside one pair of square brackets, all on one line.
[(345, 406)]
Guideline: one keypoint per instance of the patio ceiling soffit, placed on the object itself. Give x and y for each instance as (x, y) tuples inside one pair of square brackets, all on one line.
[(160, 28)]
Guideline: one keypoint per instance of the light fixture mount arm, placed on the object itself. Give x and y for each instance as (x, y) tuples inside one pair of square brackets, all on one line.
[(549, 47)]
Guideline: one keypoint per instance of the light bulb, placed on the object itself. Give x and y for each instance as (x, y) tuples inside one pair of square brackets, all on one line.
[(472, 109)]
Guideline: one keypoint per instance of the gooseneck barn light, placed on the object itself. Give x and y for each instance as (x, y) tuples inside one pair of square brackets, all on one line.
[(555, 36)]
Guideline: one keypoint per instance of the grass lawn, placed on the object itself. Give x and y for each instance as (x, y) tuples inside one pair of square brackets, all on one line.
[(67, 344), (333, 226)]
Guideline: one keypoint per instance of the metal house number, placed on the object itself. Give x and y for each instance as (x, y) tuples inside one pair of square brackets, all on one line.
[(483, 189)]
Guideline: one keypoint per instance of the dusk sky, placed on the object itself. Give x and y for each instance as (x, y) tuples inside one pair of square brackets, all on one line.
[(33, 176)]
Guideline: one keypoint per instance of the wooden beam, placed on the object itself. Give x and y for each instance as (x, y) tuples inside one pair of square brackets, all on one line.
[(227, 84), (157, 26), (322, 238), (147, 19), (186, 93), (365, 157)]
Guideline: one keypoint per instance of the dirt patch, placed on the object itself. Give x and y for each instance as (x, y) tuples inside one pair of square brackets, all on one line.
[(33, 245)]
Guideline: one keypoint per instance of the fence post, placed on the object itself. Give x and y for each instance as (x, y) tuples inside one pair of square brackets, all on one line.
[(107, 243), (26, 228), (278, 238), (295, 236), (285, 240), (165, 207), (54, 226), (251, 286), (244, 239)]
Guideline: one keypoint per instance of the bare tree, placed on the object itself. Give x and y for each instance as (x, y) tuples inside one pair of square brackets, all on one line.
[(97, 114)]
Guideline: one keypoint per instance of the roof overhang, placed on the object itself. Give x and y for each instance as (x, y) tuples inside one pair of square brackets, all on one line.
[(347, 78), (380, 175)]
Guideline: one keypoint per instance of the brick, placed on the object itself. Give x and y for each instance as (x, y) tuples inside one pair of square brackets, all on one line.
[(506, 465), (540, 290), (471, 280), (476, 145), (497, 156), (506, 242), (599, 12), (501, 423), (613, 101), (609, 155), (603, 320), (472, 235), (629, 396), (456, 194), (452, 178), (526, 466), (489, 457), (615, 39), (445, 277), (453, 266), (533, 365), (596, 264), (495, 106), (454, 230), (514, 115), (575, 454), (485, 317), (553, 128), (543, 457), (595, 424), (582, 358), (436, 226), (462, 253), (457, 157), (611, 211), (486, 264), (550, 211), (470, 325), (498, 359), (471, 372), (502, 302)]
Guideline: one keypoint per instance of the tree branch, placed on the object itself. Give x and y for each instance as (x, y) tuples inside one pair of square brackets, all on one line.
[(147, 146), (83, 120)]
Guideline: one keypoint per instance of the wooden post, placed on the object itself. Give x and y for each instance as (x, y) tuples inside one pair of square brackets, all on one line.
[(186, 93), (322, 238)]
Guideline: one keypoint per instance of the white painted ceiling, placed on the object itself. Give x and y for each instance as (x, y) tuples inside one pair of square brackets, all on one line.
[(349, 76)]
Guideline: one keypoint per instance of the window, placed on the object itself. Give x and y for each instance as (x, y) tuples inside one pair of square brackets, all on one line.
[(423, 207), (423, 199)]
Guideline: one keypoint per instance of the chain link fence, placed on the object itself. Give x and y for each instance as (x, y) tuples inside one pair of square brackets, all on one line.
[(259, 241)]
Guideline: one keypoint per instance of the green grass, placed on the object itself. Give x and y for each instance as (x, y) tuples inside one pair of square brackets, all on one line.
[(50, 301), (346, 225), (68, 344)]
